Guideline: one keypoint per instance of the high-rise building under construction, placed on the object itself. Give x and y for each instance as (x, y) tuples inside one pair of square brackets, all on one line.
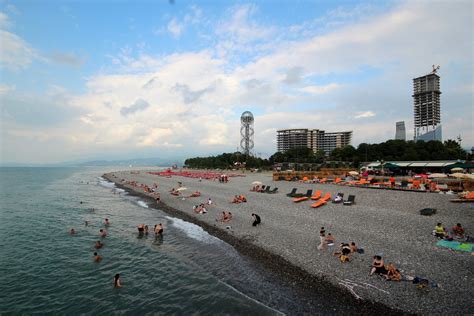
[(427, 109)]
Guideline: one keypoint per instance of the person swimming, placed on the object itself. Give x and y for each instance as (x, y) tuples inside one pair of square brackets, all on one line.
[(97, 257), (146, 229), (106, 222), (72, 231), (103, 233), (117, 283), (158, 229), (98, 244)]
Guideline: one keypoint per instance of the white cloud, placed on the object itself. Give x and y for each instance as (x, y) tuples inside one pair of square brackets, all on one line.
[(366, 114), (4, 89), (320, 89), (175, 28), (15, 53), (4, 20)]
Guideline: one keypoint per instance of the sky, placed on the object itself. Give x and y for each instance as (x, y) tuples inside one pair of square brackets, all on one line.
[(115, 79)]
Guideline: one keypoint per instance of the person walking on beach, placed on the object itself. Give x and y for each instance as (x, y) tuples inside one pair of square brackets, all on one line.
[(117, 283), (256, 219)]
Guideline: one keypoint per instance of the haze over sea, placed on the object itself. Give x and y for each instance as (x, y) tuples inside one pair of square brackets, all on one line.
[(46, 270)]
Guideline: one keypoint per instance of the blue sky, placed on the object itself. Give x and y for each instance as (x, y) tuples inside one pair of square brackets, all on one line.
[(118, 79)]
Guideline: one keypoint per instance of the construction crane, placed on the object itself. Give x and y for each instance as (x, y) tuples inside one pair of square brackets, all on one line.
[(435, 69)]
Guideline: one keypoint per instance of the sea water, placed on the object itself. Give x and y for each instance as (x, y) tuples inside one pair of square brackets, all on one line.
[(44, 269)]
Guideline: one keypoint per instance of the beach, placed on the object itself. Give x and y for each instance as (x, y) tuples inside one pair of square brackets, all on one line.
[(382, 222)]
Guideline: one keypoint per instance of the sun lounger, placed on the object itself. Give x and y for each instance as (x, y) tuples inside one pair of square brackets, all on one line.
[(337, 180), (350, 200), (323, 180), (267, 189), (292, 193), (303, 198), (273, 191), (322, 201), (317, 195)]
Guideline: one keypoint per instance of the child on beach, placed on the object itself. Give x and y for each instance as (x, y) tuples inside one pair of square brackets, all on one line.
[(439, 231), (322, 236)]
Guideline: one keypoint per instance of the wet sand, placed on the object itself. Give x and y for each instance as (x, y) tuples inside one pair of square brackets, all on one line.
[(381, 221)]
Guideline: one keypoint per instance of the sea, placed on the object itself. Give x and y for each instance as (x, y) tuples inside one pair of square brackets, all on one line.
[(46, 270)]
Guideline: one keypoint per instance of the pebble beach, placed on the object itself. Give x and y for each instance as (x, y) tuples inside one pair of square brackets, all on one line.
[(383, 222)]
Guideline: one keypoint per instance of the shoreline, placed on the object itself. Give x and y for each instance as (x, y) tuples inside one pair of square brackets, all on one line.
[(311, 284)]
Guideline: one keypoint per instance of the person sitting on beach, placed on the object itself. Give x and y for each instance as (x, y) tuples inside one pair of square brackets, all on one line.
[(103, 233), (98, 244), (209, 201), (256, 219), (117, 281), (158, 229), (106, 222), (242, 198), (353, 247), (345, 251), (439, 231), (236, 200), (228, 217), (393, 274), (458, 231), (97, 258), (158, 198), (72, 231), (378, 266)]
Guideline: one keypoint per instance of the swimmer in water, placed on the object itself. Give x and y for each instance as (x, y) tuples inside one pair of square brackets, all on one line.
[(158, 229), (106, 222), (72, 231), (98, 244), (103, 233), (146, 229), (141, 228), (86, 223), (117, 281), (97, 258)]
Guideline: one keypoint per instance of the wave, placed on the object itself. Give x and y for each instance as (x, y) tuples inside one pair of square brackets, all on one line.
[(142, 204), (192, 230), (106, 183)]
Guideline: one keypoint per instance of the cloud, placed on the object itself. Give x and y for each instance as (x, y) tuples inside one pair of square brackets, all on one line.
[(175, 28), (69, 59), (4, 20), (188, 95), (15, 53), (320, 89), (293, 75), (4, 89), (366, 114), (139, 105)]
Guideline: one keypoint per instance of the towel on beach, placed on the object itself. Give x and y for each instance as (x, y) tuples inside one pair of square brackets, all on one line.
[(455, 245)]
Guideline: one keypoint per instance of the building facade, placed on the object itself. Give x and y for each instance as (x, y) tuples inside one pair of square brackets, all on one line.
[(427, 107), (312, 138), (400, 132)]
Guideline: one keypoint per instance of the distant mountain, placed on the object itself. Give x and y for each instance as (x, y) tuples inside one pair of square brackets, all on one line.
[(158, 162)]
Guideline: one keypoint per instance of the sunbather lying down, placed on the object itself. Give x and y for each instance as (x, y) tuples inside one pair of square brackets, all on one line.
[(239, 199), (195, 194), (225, 217)]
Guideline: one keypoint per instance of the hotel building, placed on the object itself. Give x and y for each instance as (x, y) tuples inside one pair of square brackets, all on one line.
[(312, 138)]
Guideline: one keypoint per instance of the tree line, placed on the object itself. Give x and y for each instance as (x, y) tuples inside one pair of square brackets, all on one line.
[(391, 150)]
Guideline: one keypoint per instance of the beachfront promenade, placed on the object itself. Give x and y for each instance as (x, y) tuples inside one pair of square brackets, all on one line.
[(382, 222)]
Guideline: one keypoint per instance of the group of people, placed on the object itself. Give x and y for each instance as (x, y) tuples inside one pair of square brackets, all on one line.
[(457, 232), (200, 209), (144, 230), (225, 217), (239, 199)]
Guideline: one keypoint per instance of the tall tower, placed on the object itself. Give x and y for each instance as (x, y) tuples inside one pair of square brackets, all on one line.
[(426, 101), (400, 132), (246, 131)]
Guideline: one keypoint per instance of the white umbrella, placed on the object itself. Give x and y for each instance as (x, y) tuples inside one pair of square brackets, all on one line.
[(458, 175), (457, 169), (437, 175), (353, 173), (181, 189), (257, 183)]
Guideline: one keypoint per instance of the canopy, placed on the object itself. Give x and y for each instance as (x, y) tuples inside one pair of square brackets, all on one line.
[(437, 175), (390, 165)]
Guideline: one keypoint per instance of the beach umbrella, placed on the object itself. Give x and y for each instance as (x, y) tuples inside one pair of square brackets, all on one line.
[(353, 173), (437, 175), (457, 169), (181, 189), (458, 175), (257, 183)]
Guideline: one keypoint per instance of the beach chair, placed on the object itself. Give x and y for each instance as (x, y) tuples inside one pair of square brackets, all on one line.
[(323, 180), (317, 195), (322, 201), (337, 180), (273, 191), (304, 197), (350, 200), (339, 200), (267, 189), (292, 193)]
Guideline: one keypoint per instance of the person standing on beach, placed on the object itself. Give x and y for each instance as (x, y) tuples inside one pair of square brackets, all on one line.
[(322, 236), (256, 219)]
